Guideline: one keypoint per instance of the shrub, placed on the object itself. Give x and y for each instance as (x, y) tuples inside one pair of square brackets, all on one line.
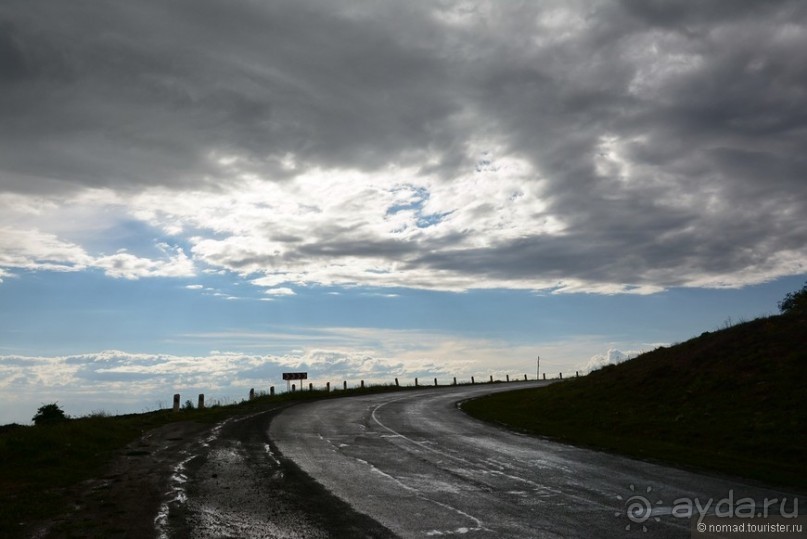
[(48, 414), (794, 302)]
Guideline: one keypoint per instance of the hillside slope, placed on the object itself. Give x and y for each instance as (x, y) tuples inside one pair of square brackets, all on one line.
[(731, 401)]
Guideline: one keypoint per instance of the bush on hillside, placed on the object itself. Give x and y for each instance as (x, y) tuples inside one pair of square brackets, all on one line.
[(48, 414), (794, 302)]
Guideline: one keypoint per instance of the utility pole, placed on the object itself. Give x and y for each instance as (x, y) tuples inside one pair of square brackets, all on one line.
[(537, 367)]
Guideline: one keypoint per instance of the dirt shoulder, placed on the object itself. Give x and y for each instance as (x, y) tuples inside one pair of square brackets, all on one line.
[(189, 479), (240, 486), (124, 501)]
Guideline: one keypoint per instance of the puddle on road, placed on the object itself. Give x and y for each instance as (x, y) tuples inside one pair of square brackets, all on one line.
[(458, 531), (176, 496), (268, 449)]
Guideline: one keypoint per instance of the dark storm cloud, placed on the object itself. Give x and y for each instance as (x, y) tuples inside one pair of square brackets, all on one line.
[(12, 62), (678, 14), (723, 131), (667, 136), (121, 93), (367, 248)]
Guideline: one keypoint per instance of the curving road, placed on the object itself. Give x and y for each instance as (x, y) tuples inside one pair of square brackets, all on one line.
[(418, 465)]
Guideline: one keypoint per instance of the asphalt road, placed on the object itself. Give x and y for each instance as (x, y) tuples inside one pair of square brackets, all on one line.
[(416, 464)]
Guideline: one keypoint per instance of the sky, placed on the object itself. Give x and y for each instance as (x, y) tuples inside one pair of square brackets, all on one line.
[(198, 195)]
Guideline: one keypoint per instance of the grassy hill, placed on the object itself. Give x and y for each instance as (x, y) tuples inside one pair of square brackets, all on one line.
[(732, 401)]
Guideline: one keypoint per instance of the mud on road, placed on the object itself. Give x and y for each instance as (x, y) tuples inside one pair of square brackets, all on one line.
[(190, 481), (239, 486)]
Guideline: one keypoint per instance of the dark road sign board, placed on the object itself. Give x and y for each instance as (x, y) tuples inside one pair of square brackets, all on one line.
[(295, 376)]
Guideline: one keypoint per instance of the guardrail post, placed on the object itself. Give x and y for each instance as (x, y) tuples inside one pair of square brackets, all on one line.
[(201, 401), (396, 383), (472, 380), (508, 377), (576, 374), (176, 402), (491, 378), (560, 375), (544, 376), (344, 385), (525, 377), (293, 388), (328, 387), (271, 391), (252, 393), (455, 380), (416, 382), (362, 384)]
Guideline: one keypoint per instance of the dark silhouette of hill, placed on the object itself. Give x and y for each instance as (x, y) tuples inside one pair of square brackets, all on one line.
[(731, 400)]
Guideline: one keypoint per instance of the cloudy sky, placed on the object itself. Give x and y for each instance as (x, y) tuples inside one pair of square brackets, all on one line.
[(196, 195)]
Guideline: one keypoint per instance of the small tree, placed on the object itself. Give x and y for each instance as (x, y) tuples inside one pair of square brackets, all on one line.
[(794, 302), (48, 414)]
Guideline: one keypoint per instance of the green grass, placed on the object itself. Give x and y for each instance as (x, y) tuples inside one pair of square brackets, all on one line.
[(39, 463), (731, 401)]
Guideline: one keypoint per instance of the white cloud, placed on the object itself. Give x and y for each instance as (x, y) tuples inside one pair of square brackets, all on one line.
[(351, 228), (127, 266), (34, 250), (33, 230), (279, 291), (611, 357)]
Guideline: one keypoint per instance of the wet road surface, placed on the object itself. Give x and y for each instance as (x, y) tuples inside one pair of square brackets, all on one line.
[(419, 466)]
